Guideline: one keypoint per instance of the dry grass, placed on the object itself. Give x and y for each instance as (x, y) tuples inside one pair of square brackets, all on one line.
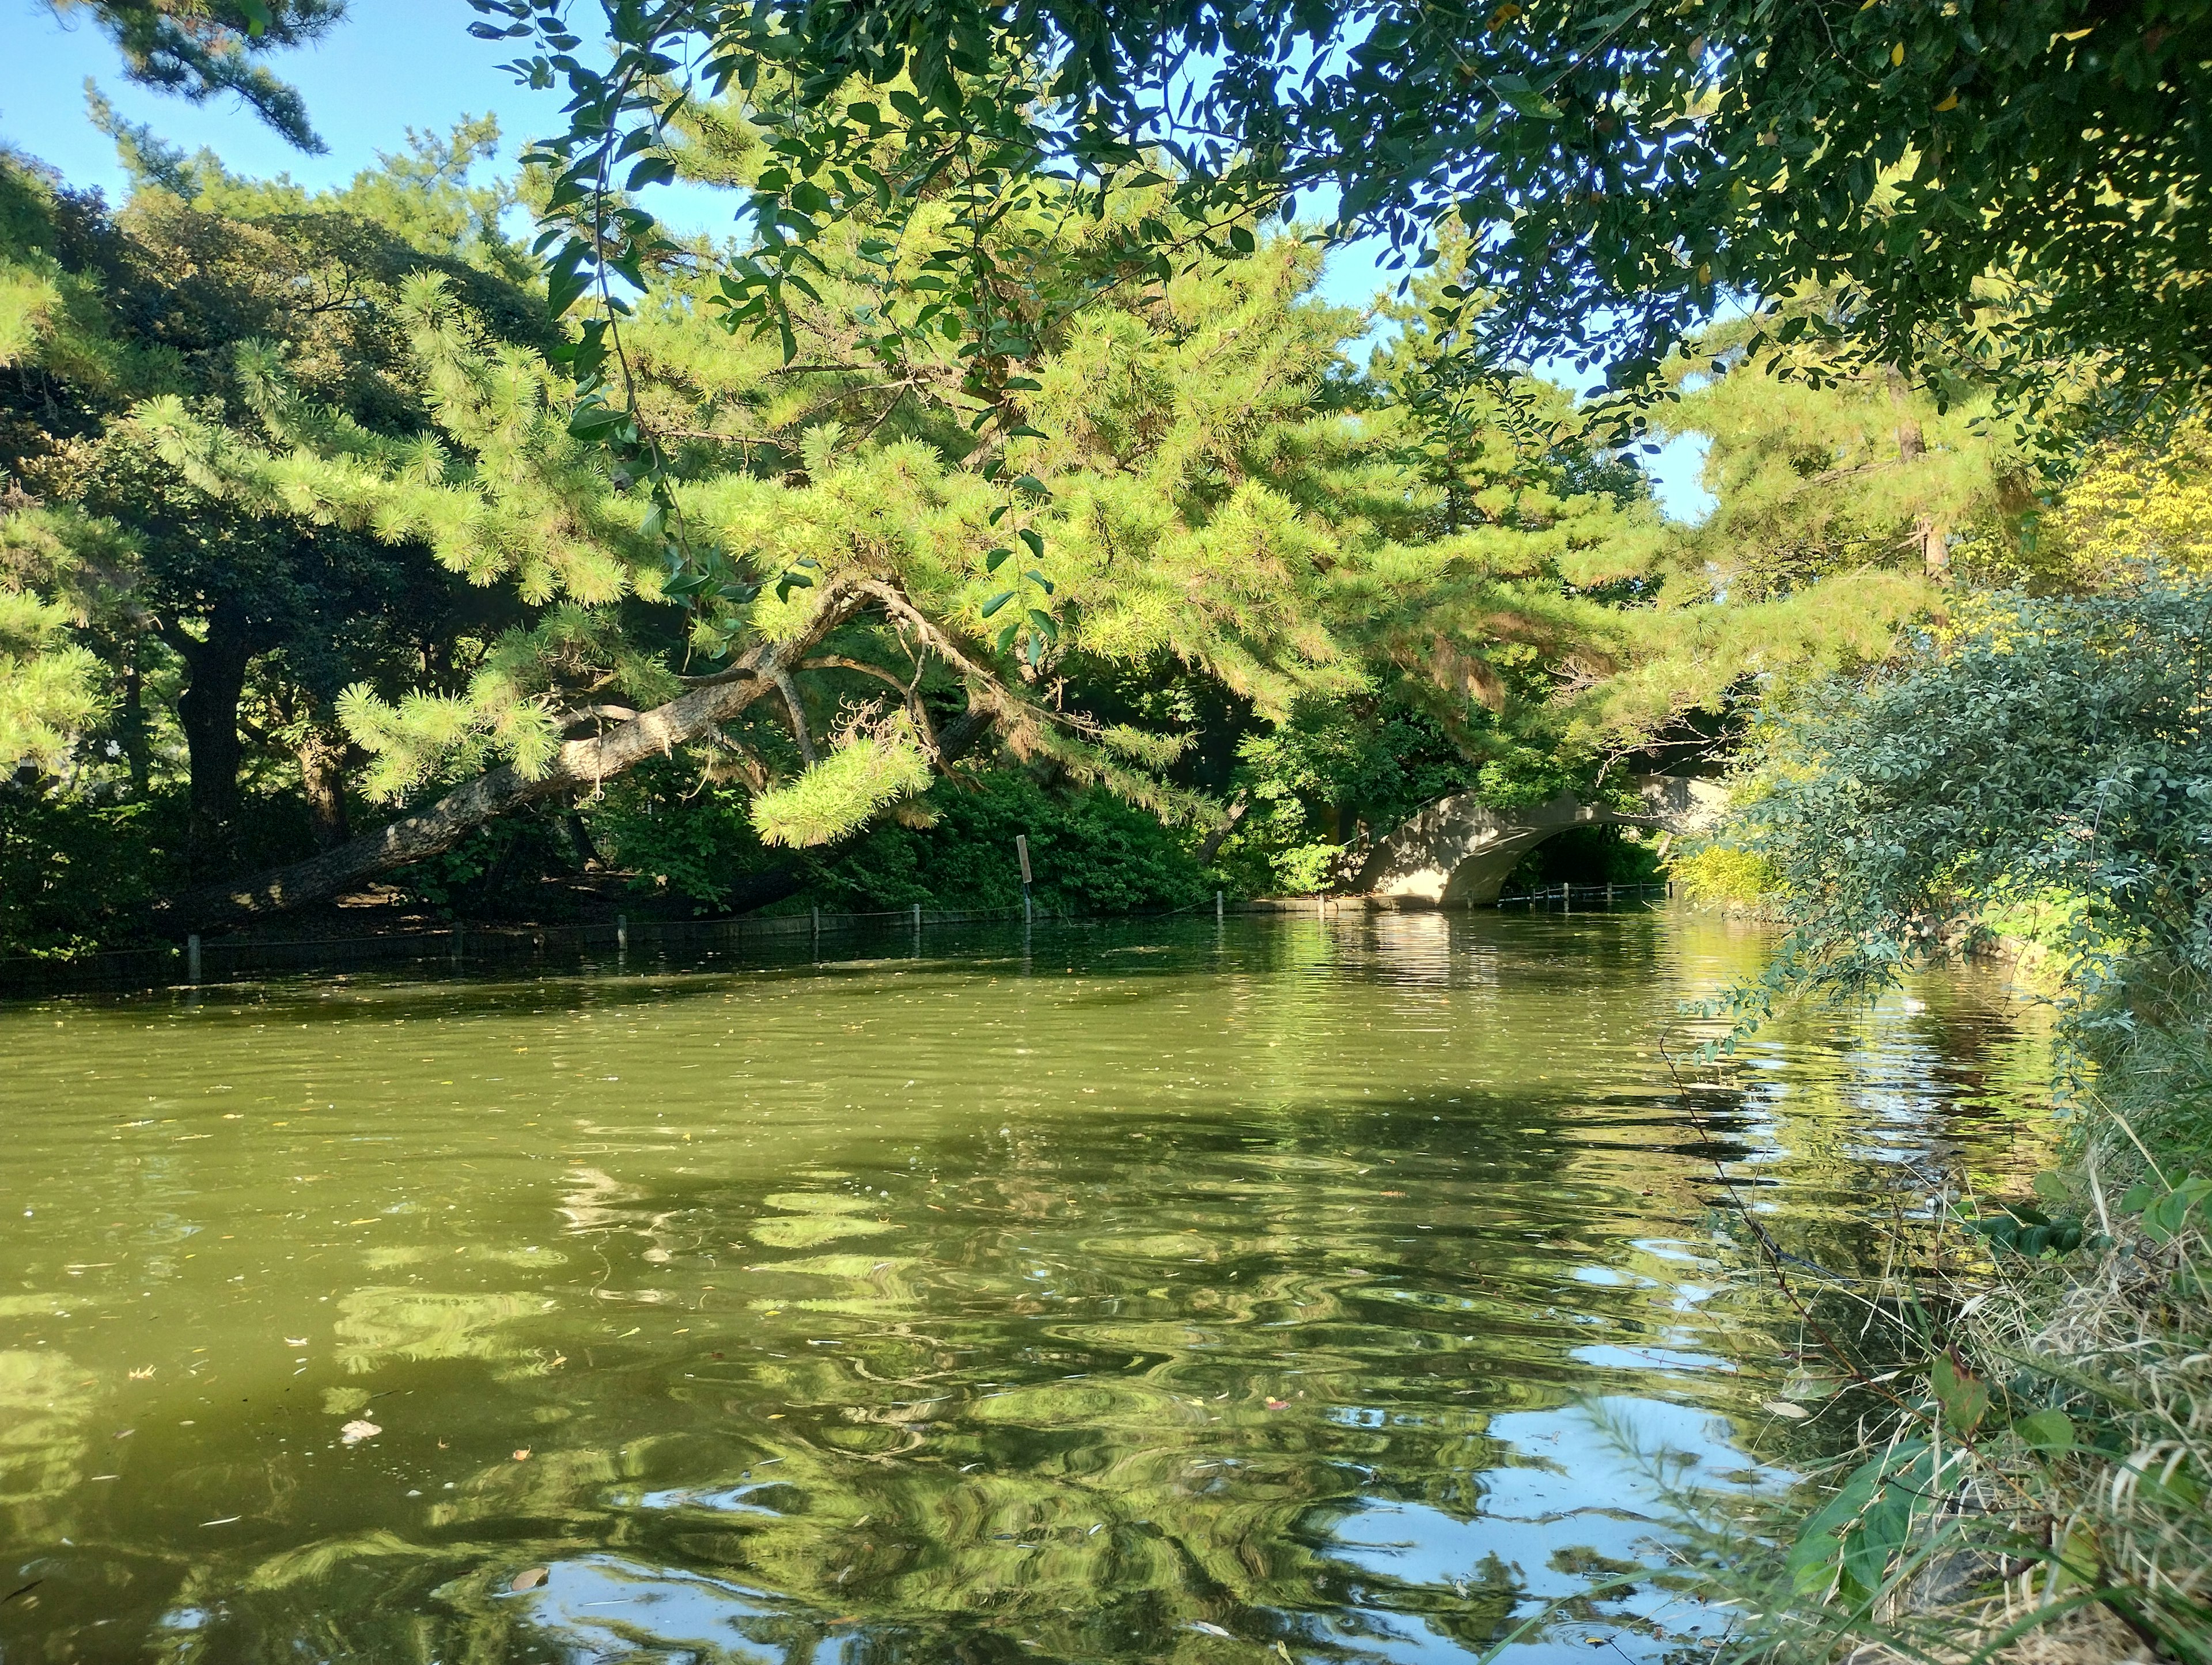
[(2066, 1518)]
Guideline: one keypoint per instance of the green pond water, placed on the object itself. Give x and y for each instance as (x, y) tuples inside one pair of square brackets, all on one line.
[(1300, 1291)]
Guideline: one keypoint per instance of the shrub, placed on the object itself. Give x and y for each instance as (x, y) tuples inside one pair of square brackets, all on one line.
[(1717, 874)]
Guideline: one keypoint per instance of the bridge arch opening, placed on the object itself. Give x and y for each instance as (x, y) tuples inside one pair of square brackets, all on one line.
[(1460, 851), (1598, 854)]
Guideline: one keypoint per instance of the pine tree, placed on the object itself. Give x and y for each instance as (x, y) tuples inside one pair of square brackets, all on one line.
[(109, 309)]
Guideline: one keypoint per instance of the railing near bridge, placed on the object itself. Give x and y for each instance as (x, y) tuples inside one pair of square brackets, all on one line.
[(623, 942), (1566, 896), (468, 946)]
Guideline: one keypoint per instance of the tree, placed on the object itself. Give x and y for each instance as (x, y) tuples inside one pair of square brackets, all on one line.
[(2141, 501), (1188, 484), (1160, 496), (1836, 465), (2051, 755), (203, 49), (112, 308), (2013, 184)]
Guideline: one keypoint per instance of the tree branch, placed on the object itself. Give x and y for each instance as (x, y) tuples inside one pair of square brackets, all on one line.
[(797, 711), (578, 764)]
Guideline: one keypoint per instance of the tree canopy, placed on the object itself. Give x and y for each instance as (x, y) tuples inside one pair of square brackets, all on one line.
[(2005, 186), (314, 519), (204, 49)]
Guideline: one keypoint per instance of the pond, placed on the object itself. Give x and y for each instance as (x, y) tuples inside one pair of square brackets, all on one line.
[(1299, 1289)]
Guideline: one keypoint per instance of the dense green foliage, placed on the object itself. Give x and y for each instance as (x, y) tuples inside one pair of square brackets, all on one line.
[(2037, 767), (2006, 184), (2054, 754), (303, 525)]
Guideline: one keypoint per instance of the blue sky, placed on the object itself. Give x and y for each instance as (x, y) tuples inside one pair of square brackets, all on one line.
[(392, 65)]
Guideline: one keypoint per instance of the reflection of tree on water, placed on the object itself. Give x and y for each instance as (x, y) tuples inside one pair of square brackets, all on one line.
[(45, 1402), (1084, 1374), (1062, 1419)]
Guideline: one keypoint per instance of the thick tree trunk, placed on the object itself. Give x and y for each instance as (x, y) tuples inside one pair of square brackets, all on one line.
[(207, 710), (322, 778), (960, 736), (579, 764), (1934, 541), (580, 840), (133, 730), (1210, 846)]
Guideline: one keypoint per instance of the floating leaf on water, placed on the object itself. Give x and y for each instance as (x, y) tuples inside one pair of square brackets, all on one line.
[(357, 1431), (1210, 1630), (529, 1578), (1782, 1407)]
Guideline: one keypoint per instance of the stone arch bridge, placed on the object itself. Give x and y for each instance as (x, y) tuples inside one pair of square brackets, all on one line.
[(1458, 852)]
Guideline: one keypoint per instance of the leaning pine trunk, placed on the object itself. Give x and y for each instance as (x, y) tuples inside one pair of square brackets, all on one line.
[(578, 764)]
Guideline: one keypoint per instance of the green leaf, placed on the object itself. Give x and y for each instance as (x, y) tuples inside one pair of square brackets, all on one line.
[(1034, 540), (994, 559), (1964, 1397), (592, 419), (1813, 1563), (2165, 1218), (2047, 1430), (563, 288), (997, 602)]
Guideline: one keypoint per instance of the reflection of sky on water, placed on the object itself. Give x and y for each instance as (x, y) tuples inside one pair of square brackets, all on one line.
[(604, 1608), (1538, 1522), (931, 1311)]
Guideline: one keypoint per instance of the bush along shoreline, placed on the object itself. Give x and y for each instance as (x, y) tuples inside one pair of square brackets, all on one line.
[(2013, 1406)]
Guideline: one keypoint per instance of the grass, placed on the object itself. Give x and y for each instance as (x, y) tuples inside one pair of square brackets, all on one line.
[(2018, 1406)]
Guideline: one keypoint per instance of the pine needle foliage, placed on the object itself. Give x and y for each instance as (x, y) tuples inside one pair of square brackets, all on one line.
[(866, 772), (1179, 487)]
